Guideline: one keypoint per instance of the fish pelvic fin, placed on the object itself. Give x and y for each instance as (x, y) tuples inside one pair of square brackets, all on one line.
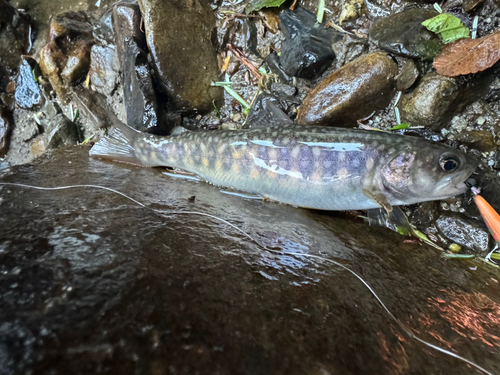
[(116, 146)]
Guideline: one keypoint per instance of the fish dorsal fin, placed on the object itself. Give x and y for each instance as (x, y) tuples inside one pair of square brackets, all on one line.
[(178, 130)]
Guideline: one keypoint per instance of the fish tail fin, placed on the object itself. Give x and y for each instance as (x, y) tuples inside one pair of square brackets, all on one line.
[(117, 145)]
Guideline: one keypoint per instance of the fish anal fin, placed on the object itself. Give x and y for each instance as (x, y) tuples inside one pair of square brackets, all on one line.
[(115, 146), (378, 197)]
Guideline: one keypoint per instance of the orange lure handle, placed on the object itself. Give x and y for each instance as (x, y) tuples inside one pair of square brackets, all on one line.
[(490, 216)]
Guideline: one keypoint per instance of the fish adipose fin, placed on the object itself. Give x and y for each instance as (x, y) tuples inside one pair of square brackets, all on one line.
[(380, 198), (115, 146)]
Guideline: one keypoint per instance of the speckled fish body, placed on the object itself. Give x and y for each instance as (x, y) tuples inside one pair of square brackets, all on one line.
[(314, 167)]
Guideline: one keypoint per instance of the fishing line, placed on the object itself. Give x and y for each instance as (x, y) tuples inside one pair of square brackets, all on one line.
[(272, 250)]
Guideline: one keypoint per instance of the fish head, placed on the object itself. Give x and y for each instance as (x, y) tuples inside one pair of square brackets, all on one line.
[(426, 172)]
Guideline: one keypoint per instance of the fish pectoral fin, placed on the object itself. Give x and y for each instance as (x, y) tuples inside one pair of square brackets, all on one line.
[(378, 197)]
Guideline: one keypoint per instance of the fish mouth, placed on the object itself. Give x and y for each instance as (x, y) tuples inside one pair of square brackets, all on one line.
[(457, 184)]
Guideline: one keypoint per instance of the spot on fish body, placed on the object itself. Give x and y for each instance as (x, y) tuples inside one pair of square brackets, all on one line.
[(235, 167), (343, 173), (370, 163)]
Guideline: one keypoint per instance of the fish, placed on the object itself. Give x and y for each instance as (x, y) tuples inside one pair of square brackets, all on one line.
[(324, 168)]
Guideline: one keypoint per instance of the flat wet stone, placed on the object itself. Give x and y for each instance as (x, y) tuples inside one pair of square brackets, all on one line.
[(351, 93), (27, 92), (179, 36), (307, 49), (403, 34), (91, 281)]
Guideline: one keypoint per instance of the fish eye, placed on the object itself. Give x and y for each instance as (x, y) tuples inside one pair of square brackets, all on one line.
[(449, 162)]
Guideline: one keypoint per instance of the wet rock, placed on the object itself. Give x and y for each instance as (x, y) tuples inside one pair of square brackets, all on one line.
[(466, 232), (408, 76), (4, 164), (272, 61), (307, 49), (103, 28), (283, 90), (468, 5), (66, 56), (425, 214), (496, 161), (127, 23), (60, 132), (481, 140), (179, 37), (27, 92), (494, 94), (351, 93), (16, 34), (349, 49), (105, 68), (266, 112), (351, 10), (437, 99), (5, 130), (432, 103), (403, 34), (210, 122), (139, 95)]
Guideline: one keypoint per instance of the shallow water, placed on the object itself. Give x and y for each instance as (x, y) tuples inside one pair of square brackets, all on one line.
[(92, 283)]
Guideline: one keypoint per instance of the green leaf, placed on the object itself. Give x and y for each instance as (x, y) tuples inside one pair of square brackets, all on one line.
[(460, 256), (400, 126), (448, 27), (255, 5)]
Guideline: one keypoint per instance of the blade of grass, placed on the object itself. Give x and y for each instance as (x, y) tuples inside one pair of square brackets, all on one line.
[(321, 11), (459, 256)]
